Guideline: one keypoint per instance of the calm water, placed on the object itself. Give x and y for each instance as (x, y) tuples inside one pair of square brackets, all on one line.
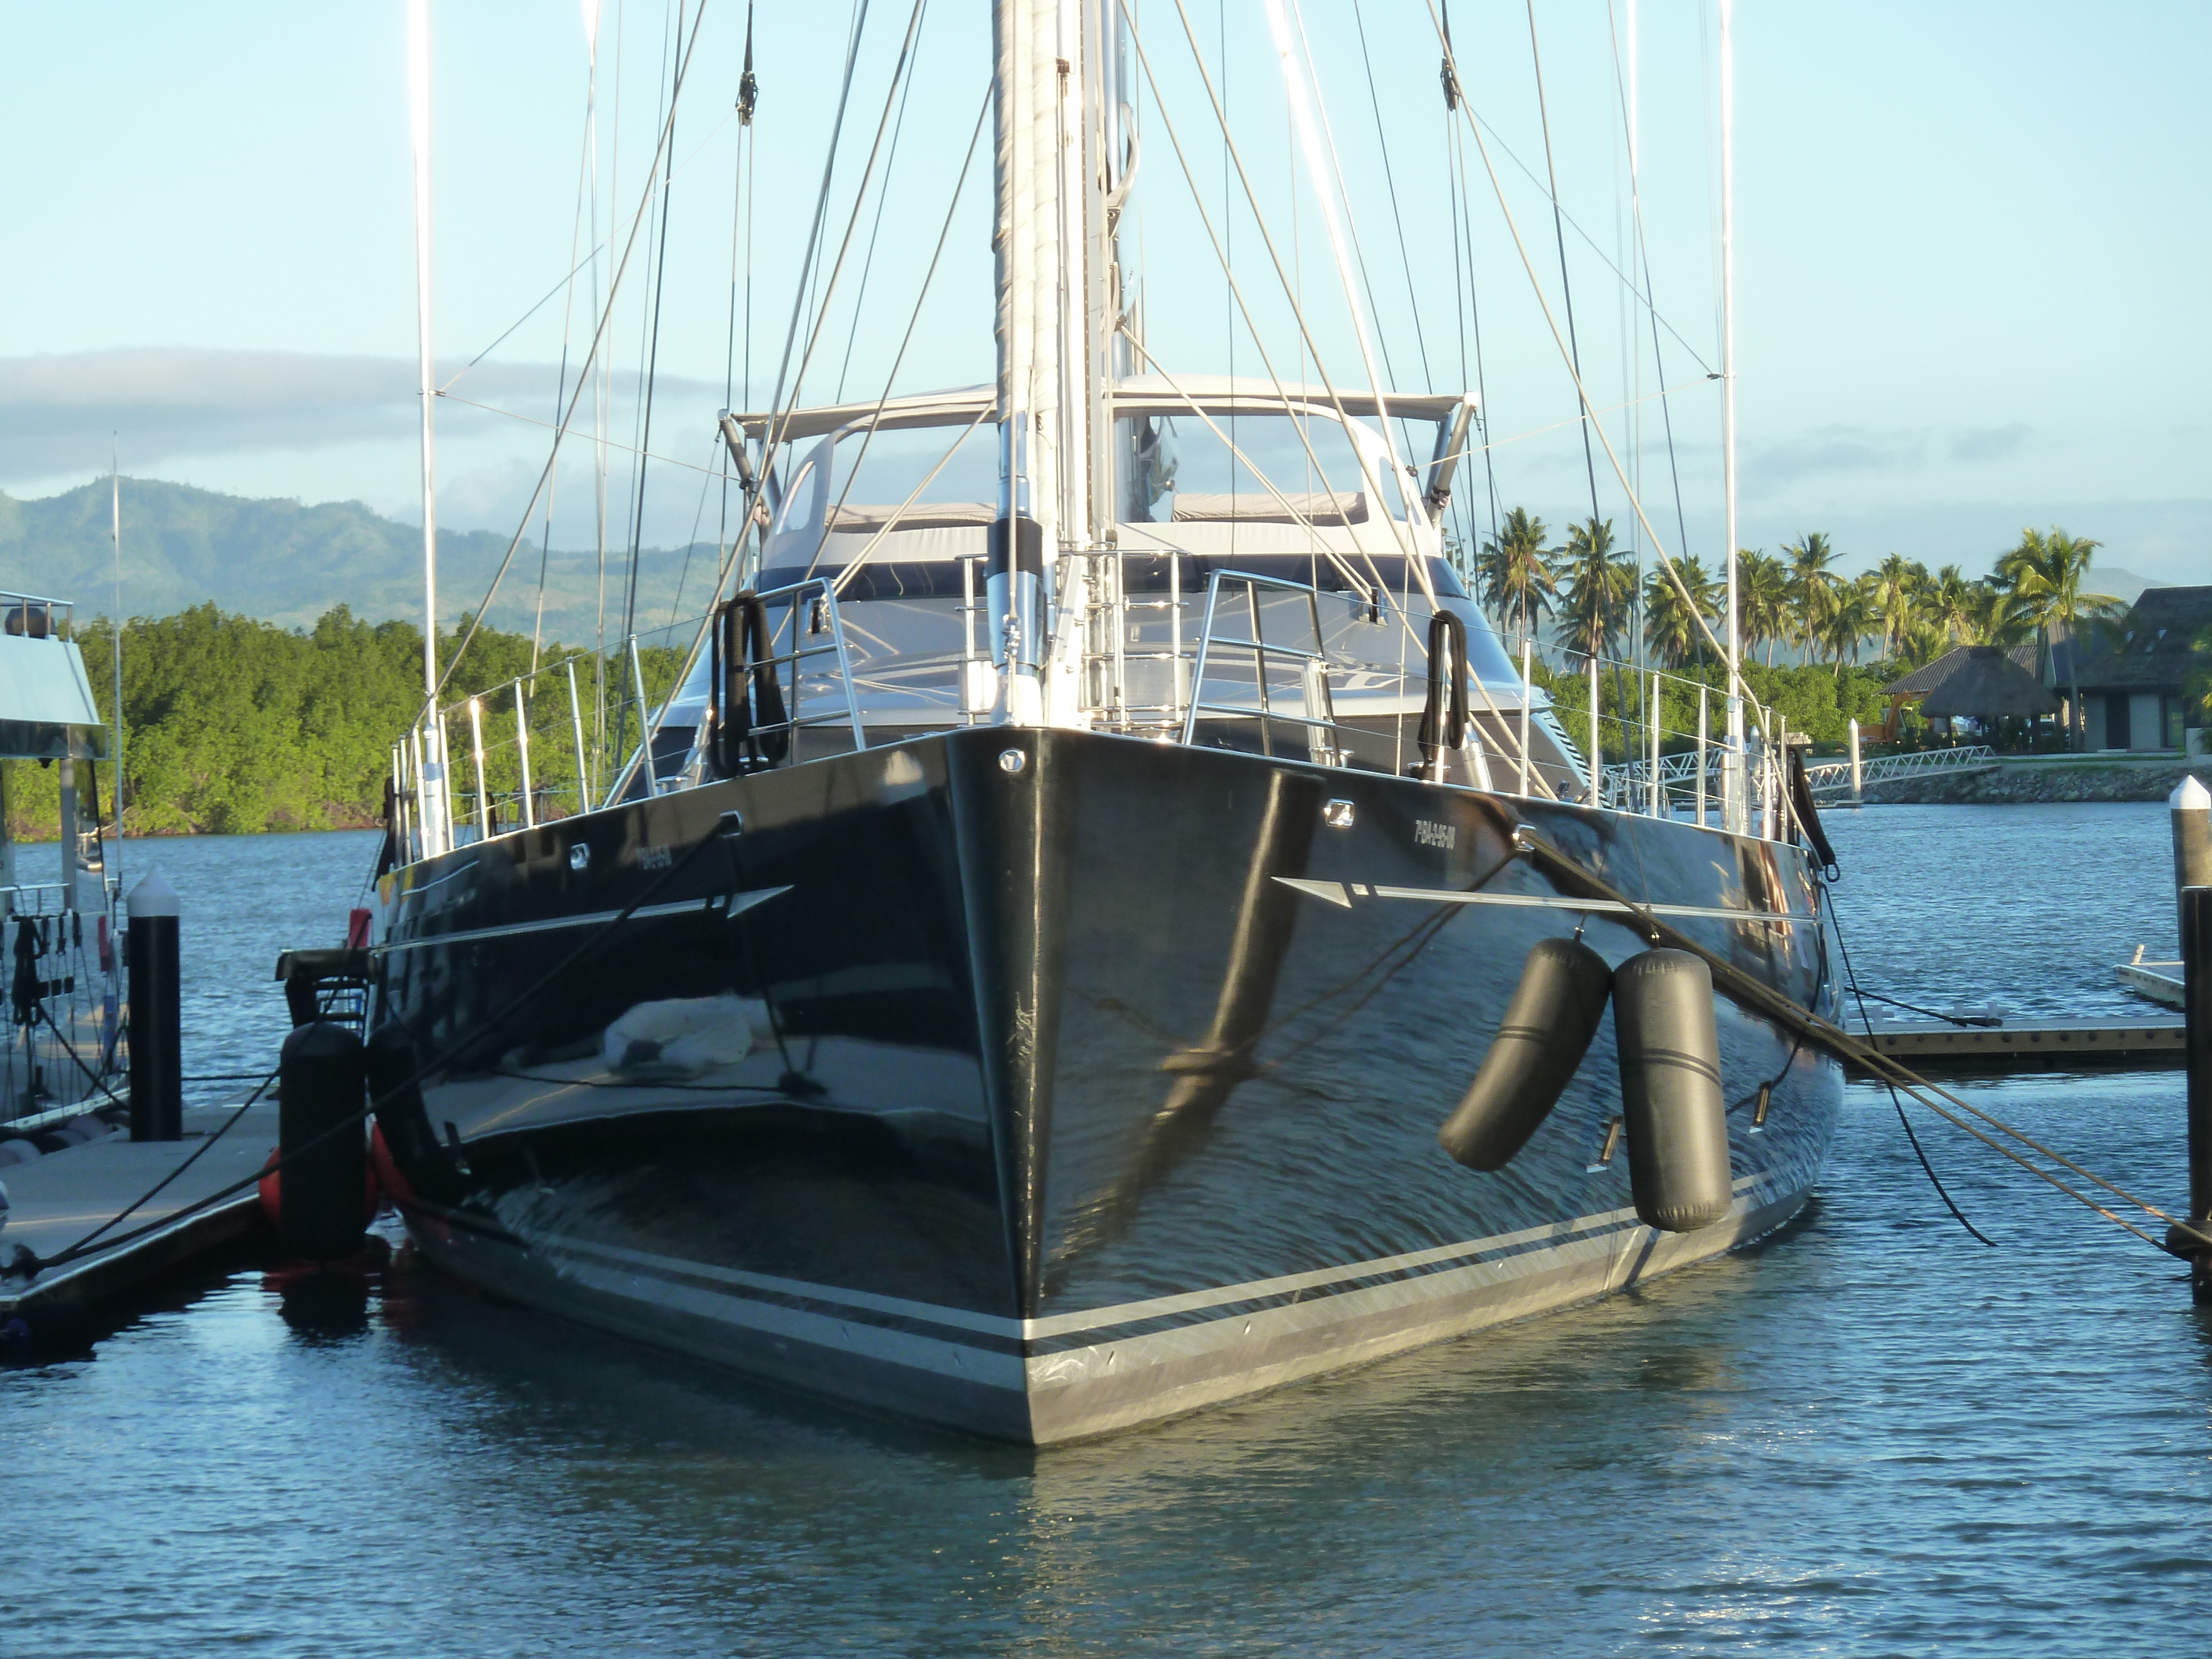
[(1873, 1436)]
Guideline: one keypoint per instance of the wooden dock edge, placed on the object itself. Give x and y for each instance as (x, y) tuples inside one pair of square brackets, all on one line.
[(2057, 1046), (76, 1289)]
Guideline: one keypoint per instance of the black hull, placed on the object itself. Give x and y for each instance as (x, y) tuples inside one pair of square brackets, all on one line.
[(1049, 1098)]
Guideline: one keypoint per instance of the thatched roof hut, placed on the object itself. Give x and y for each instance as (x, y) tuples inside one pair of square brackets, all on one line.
[(1979, 682)]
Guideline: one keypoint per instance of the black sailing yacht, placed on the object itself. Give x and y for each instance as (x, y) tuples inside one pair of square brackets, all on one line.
[(1021, 976)]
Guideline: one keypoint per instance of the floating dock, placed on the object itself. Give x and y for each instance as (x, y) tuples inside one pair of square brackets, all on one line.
[(2062, 1045), (57, 1198), (2160, 982)]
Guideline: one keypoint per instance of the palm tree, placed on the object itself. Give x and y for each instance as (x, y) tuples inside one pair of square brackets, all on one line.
[(1946, 602), (1670, 627), (1997, 620), (1762, 601), (1812, 585), (1513, 573), (2043, 578), (1897, 583), (1854, 611), (1600, 586)]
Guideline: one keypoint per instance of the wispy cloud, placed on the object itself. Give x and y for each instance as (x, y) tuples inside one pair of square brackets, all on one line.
[(1988, 443), (1832, 450), (58, 410), (1856, 451)]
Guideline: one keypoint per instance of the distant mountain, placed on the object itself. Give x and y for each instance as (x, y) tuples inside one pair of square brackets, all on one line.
[(288, 563), (2124, 585)]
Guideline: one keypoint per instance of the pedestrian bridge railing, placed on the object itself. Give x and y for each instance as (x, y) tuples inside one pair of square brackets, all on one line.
[(1832, 777)]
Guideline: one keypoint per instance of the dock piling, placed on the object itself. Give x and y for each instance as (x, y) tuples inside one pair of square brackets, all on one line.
[(157, 1060), (2190, 807), (2197, 1006), (69, 846)]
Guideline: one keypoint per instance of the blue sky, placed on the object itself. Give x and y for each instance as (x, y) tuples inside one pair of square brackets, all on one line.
[(1971, 247)]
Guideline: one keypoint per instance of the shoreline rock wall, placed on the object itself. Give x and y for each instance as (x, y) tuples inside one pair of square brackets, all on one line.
[(2023, 783)]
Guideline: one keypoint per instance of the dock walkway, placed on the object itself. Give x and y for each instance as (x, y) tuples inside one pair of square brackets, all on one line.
[(2049, 1045), (56, 1200)]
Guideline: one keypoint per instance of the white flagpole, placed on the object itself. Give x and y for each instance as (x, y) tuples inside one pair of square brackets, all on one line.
[(1734, 816), (115, 788)]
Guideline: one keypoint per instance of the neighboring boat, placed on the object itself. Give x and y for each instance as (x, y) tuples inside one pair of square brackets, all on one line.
[(1020, 978), (61, 1053)]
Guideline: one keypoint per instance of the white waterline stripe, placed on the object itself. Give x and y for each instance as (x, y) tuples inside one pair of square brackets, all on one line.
[(739, 903), (1336, 893), (1120, 1314)]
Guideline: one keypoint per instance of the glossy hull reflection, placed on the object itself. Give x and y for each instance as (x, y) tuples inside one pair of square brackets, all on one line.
[(1041, 1084)]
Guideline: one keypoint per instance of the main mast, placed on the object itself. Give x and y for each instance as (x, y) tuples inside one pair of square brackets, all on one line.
[(1025, 37), (1054, 110)]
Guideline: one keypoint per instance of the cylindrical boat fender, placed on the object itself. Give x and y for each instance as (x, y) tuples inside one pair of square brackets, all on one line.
[(1546, 1030), (325, 1149), (1670, 1091)]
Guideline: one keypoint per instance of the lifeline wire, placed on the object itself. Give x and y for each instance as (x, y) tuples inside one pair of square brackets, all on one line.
[(28, 1261)]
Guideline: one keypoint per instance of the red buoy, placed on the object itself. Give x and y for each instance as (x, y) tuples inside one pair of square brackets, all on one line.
[(270, 1188)]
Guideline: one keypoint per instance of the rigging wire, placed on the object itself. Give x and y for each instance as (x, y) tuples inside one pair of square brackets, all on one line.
[(899, 70), (740, 201), (1475, 129), (598, 338), (1373, 582), (1291, 285), (1390, 178), (868, 261), (653, 362), (1642, 262), (1566, 291), (1754, 994), (891, 377), (567, 326), (780, 414), (1470, 320), (1359, 248), (814, 234), (1659, 370)]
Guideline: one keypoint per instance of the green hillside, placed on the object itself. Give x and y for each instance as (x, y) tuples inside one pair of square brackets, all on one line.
[(234, 725), (285, 561)]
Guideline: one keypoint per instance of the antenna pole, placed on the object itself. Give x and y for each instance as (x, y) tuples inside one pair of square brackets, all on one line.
[(418, 101), (1733, 816)]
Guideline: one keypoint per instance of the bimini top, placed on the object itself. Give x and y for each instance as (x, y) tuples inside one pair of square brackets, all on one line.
[(1138, 394), (46, 710)]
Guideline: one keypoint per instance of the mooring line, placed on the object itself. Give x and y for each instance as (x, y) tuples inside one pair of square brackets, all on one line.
[(1842, 1044), (27, 1263), (1897, 1104)]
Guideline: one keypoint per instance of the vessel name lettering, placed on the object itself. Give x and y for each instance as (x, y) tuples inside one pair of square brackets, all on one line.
[(1435, 835), (655, 857)]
